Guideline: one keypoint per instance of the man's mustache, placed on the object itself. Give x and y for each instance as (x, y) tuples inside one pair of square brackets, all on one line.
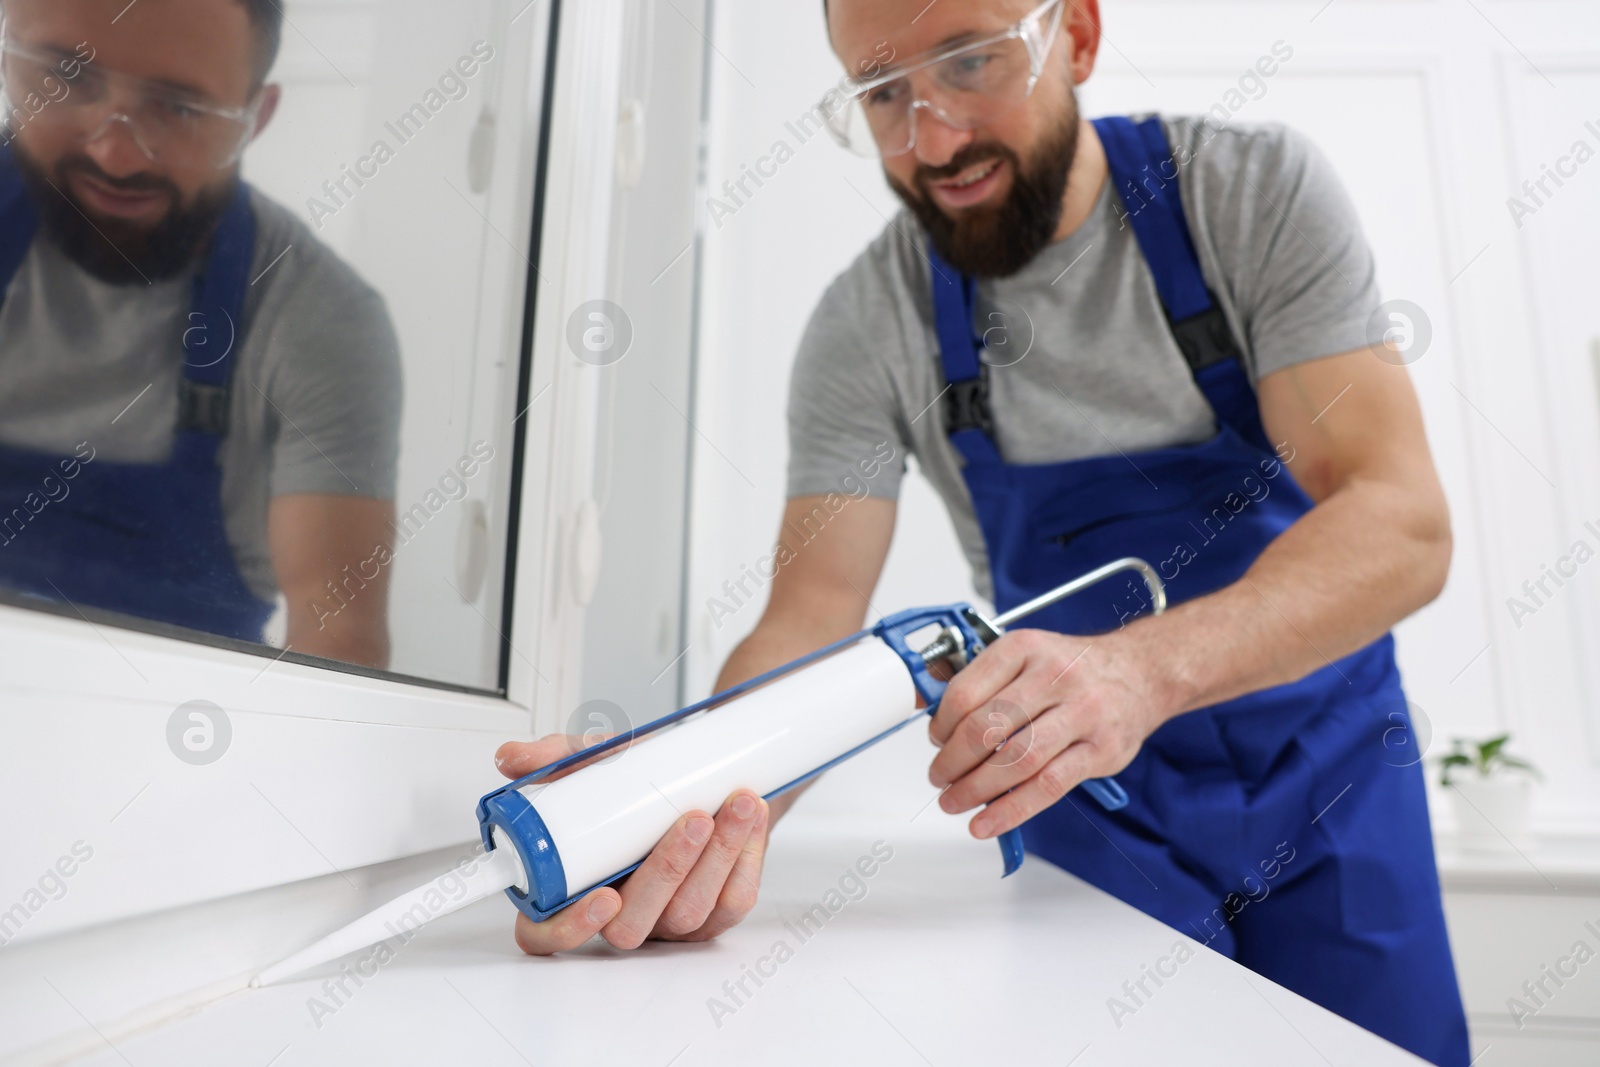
[(133, 183), (966, 157)]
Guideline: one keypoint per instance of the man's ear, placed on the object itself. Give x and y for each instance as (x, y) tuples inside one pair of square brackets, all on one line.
[(270, 95), (1080, 22)]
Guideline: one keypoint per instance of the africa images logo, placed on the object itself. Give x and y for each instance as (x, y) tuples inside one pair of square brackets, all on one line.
[(199, 732)]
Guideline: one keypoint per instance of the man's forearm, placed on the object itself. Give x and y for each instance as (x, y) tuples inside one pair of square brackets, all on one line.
[(765, 648), (358, 637), (816, 596), (1357, 563), (331, 555)]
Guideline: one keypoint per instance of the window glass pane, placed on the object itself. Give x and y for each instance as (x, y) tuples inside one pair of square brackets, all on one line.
[(264, 273)]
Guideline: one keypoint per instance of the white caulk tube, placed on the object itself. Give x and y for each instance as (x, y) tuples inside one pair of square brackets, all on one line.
[(551, 840), (601, 820), (584, 829)]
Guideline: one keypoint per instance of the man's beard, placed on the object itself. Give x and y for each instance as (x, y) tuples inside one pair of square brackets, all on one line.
[(115, 250), (995, 242)]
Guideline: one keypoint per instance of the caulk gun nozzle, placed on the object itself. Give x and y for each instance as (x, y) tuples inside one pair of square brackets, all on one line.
[(498, 870)]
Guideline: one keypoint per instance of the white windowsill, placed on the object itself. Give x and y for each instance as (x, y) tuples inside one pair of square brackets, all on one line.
[(1550, 861)]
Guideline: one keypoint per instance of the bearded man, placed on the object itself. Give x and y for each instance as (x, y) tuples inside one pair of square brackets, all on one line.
[(199, 403), (1128, 337)]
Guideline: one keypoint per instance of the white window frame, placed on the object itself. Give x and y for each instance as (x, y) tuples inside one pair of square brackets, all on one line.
[(326, 770)]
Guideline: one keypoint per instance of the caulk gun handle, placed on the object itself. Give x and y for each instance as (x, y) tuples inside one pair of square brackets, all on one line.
[(1106, 790), (1011, 849), (1111, 796)]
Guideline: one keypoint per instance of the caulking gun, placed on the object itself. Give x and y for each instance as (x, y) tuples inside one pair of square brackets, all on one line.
[(550, 843)]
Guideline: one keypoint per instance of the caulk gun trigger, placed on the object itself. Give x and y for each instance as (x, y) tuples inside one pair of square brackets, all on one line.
[(1011, 849)]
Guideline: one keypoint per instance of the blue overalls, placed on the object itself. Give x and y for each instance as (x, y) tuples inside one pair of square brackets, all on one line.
[(1270, 827), (142, 539)]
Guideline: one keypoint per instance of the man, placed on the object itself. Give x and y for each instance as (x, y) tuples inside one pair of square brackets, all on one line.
[(1200, 392), (199, 402)]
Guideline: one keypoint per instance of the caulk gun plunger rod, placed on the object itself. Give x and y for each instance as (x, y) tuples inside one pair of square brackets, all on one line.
[(946, 644), (1152, 581)]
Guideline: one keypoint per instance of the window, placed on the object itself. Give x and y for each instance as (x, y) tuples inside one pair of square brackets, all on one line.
[(434, 362), (262, 330)]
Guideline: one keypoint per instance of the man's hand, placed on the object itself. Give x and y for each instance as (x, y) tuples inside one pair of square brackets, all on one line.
[(1072, 707), (1374, 549), (699, 880)]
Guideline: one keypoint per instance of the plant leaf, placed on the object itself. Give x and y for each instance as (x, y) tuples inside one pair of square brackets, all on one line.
[(1517, 764), (1454, 759)]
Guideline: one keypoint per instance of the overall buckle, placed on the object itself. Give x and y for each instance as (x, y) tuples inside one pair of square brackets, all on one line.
[(1205, 339), (967, 405), (202, 407)]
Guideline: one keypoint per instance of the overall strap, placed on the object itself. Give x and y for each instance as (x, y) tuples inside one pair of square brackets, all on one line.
[(1145, 176), (215, 325), (18, 220), (967, 420)]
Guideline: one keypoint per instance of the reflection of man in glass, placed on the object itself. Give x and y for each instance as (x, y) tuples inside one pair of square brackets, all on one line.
[(198, 402)]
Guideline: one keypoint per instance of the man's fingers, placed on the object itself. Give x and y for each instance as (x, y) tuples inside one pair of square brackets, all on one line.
[(990, 671), (569, 928), (649, 889), (739, 895), (977, 738), (517, 758), (1026, 753), (1054, 781), (720, 890)]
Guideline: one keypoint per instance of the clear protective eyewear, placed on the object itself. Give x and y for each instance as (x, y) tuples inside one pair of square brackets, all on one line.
[(172, 126), (965, 86)]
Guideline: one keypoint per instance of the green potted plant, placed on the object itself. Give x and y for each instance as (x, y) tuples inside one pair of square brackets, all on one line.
[(1491, 790)]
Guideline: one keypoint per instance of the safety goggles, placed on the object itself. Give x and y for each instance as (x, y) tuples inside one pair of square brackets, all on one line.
[(170, 125), (963, 86)]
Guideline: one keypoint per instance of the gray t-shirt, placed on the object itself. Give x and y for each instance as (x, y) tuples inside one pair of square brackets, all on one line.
[(315, 405), (1082, 360)]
